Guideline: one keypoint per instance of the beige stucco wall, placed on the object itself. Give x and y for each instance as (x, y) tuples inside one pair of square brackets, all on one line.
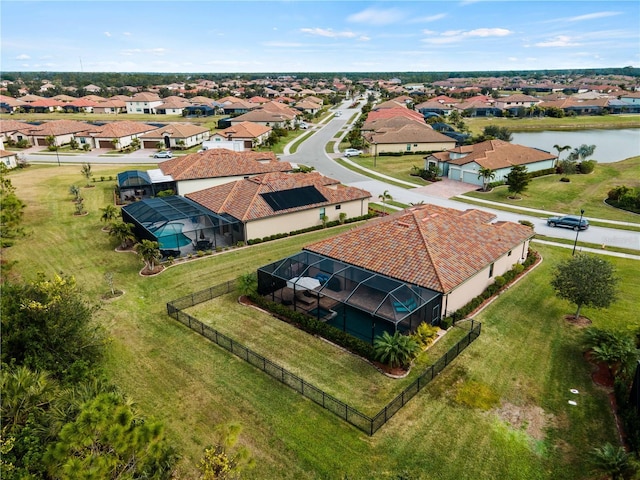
[(414, 147), (473, 287), (188, 186), (304, 219)]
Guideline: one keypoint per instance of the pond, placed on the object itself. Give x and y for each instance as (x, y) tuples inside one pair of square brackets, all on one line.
[(611, 145)]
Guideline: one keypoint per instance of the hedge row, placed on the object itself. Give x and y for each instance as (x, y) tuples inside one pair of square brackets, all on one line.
[(316, 327), (491, 290), (333, 223)]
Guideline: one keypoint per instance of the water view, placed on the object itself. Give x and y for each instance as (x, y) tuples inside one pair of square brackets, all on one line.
[(611, 145)]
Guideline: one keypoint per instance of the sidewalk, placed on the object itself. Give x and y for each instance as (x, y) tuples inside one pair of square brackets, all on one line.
[(590, 250)]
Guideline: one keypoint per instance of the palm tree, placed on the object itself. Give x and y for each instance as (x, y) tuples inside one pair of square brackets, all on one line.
[(561, 149), (149, 252), (395, 350), (109, 213), (24, 392), (247, 283), (487, 175), (385, 196), (123, 232), (610, 460)]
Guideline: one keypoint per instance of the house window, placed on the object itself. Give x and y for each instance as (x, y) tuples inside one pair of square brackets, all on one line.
[(491, 270), (338, 207), (322, 213), (408, 147)]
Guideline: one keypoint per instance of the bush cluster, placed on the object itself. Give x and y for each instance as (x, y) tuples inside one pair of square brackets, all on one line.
[(316, 327), (542, 173), (626, 198)]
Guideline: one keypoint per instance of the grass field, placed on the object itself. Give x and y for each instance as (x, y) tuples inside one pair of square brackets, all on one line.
[(586, 122), (526, 359), (582, 192)]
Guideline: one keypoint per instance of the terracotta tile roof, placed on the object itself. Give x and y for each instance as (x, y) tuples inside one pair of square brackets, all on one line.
[(94, 98), (145, 97), (395, 112), (495, 154), (220, 162), (412, 132), (12, 102), (244, 130), (431, 246), (14, 126), (59, 127), (170, 103), (243, 200), (262, 115), (6, 153), (176, 130), (111, 104), (389, 104), (120, 129)]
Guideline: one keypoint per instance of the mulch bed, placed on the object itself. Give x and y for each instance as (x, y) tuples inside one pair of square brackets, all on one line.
[(148, 273)]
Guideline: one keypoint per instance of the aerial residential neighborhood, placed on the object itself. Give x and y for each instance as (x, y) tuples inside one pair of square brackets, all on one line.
[(320, 240)]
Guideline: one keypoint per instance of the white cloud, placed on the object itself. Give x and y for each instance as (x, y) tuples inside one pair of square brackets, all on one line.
[(364, 38), (592, 16), (23, 57), (452, 36), (375, 16), (282, 44), (559, 41), (126, 34), (158, 51), (130, 51), (430, 18), (107, 34), (327, 32)]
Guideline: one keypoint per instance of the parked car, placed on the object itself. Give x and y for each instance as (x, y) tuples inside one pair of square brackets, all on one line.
[(338, 113), (303, 126), (352, 152), (568, 221), (165, 154)]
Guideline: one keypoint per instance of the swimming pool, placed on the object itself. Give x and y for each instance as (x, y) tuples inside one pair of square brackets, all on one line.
[(170, 236), (324, 314)]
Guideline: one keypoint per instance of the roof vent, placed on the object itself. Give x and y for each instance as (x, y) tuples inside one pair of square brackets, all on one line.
[(403, 224)]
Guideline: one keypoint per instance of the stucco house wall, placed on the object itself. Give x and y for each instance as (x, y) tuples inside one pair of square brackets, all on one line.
[(411, 147)]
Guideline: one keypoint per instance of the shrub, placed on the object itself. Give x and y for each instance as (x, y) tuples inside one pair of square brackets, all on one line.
[(587, 166), (518, 268), (500, 281), (200, 253), (565, 179), (526, 223), (542, 173), (395, 350), (446, 323), (425, 334)]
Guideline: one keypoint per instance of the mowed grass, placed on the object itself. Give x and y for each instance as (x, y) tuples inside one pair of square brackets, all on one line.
[(580, 122), (527, 355), (399, 167), (582, 192)]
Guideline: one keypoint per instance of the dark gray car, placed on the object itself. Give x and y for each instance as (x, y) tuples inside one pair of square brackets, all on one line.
[(568, 221)]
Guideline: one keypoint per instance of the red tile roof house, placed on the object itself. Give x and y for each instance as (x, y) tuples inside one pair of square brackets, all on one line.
[(176, 135), (281, 202), (143, 102), (63, 131), (14, 130), (251, 134), (9, 159), (393, 273), (463, 163), (209, 168), (405, 135), (105, 135)]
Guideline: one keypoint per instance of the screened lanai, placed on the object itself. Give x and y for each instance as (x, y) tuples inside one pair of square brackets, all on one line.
[(358, 301), (181, 226), (136, 184)]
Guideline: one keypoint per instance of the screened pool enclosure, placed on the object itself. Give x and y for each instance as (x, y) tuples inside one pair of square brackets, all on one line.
[(181, 226), (135, 185), (360, 302)]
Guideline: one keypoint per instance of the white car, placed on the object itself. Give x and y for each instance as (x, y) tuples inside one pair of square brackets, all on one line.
[(166, 154), (338, 113), (352, 152), (303, 126)]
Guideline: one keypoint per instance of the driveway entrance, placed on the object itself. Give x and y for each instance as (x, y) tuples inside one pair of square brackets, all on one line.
[(446, 188)]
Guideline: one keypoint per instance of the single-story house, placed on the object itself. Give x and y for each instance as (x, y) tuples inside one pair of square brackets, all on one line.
[(212, 167), (175, 135), (172, 106), (123, 132), (10, 104), (14, 130), (9, 159), (280, 202), (251, 134), (111, 106), (62, 130), (518, 100), (410, 137), (393, 273), (463, 163)]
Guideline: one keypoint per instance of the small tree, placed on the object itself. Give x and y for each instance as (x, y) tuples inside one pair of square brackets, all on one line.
[(75, 191), (384, 196), (149, 252), (108, 277), (561, 149), (612, 461), (123, 232), (109, 213), (248, 283), (518, 180), (395, 350), (487, 175), (116, 143), (80, 207), (586, 281), (224, 460), (52, 143), (86, 172)]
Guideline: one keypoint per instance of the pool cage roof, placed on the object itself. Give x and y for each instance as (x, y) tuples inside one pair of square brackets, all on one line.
[(133, 178), (365, 290), (151, 211)]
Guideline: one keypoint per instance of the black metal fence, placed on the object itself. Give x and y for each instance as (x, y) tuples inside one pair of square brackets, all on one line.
[(358, 419)]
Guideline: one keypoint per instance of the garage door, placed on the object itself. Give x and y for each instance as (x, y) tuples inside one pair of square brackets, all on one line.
[(471, 177), (149, 144), (41, 142), (105, 144), (454, 173)]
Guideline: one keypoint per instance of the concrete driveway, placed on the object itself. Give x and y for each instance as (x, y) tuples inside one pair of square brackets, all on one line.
[(446, 188)]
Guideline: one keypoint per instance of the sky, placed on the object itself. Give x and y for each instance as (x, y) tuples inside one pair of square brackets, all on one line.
[(317, 36)]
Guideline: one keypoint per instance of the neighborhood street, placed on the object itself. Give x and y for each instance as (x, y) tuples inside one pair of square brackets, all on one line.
[(312, 152)]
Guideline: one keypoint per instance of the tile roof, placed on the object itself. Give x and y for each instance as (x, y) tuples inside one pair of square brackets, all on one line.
[(59, 127), (430, 246), (14, 126), (221, 162), (395, 112), (495, 154), (176, 130), (243, 200), (145, 97), (412, 132), (244, 130), (120, 129)]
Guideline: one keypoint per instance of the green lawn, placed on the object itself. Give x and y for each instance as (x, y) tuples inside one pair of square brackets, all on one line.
[(527, 356), (584, 122), (583, 191)]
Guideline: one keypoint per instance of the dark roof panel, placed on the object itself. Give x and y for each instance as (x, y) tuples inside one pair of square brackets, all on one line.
[(293, 198)]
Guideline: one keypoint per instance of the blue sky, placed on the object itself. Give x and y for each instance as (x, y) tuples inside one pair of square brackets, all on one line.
[(317, 36)]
